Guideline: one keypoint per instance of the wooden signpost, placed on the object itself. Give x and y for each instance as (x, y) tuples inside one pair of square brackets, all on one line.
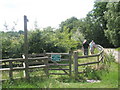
[(26, 47)]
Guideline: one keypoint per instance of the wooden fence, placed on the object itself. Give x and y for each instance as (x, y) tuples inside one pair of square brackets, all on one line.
[(38, 61), (77, 65), (45, 61), (12, 66)]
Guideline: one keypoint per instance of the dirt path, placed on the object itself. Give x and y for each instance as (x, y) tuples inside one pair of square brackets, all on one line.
[(114, 53)]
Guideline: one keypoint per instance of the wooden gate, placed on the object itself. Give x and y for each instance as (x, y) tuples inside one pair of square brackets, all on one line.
[(59, 65)]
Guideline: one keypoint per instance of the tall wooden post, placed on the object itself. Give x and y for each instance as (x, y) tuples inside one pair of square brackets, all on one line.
[(46, 63), (26, 47), (76, 64)]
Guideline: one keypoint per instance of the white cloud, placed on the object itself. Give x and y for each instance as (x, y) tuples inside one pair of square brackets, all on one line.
[(46, 12)]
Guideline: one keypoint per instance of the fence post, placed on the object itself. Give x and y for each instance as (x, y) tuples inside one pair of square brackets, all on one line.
[(26, 47), (98, 61), (11, 71), (70, 62), (76, 64), (46, 63), (44, 52), (46, 68)]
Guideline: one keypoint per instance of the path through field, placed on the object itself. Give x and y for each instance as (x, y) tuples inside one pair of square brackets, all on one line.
[(115, 53)]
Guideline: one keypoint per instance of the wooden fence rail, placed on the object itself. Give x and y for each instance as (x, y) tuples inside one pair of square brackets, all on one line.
[(38, 61), (12, 68), (76, 57)]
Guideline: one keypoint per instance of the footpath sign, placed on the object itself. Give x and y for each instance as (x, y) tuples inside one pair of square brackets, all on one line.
[(55, 57)]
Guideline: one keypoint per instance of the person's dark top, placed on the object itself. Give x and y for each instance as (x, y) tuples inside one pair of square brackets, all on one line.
[(85, 45)]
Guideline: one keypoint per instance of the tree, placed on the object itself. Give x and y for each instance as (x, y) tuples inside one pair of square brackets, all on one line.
[(12, 44), (70, 25), (62, 40), (94, 25), (113, 26), (35, 42)]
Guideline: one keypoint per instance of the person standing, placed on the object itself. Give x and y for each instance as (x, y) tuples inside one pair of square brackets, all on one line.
[(92, 46), (85, 47)]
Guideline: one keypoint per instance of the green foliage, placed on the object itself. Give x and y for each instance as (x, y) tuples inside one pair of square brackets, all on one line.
[(35, 42), (102, 24), (113, 26), (62, 39), (71, 27), (92, 73), (45, 40), (12, 43), (70, 24), (38, 40), (51, 41), (94, 24)]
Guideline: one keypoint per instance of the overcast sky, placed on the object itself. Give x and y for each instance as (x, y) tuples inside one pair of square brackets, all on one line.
[(45, 12)]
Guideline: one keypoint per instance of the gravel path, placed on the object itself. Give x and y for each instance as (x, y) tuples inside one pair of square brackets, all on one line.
[(114, 52)]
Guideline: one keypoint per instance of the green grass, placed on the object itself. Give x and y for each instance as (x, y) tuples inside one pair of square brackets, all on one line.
[(81, 53), (108, 77), (118, 49), (108, 80)]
